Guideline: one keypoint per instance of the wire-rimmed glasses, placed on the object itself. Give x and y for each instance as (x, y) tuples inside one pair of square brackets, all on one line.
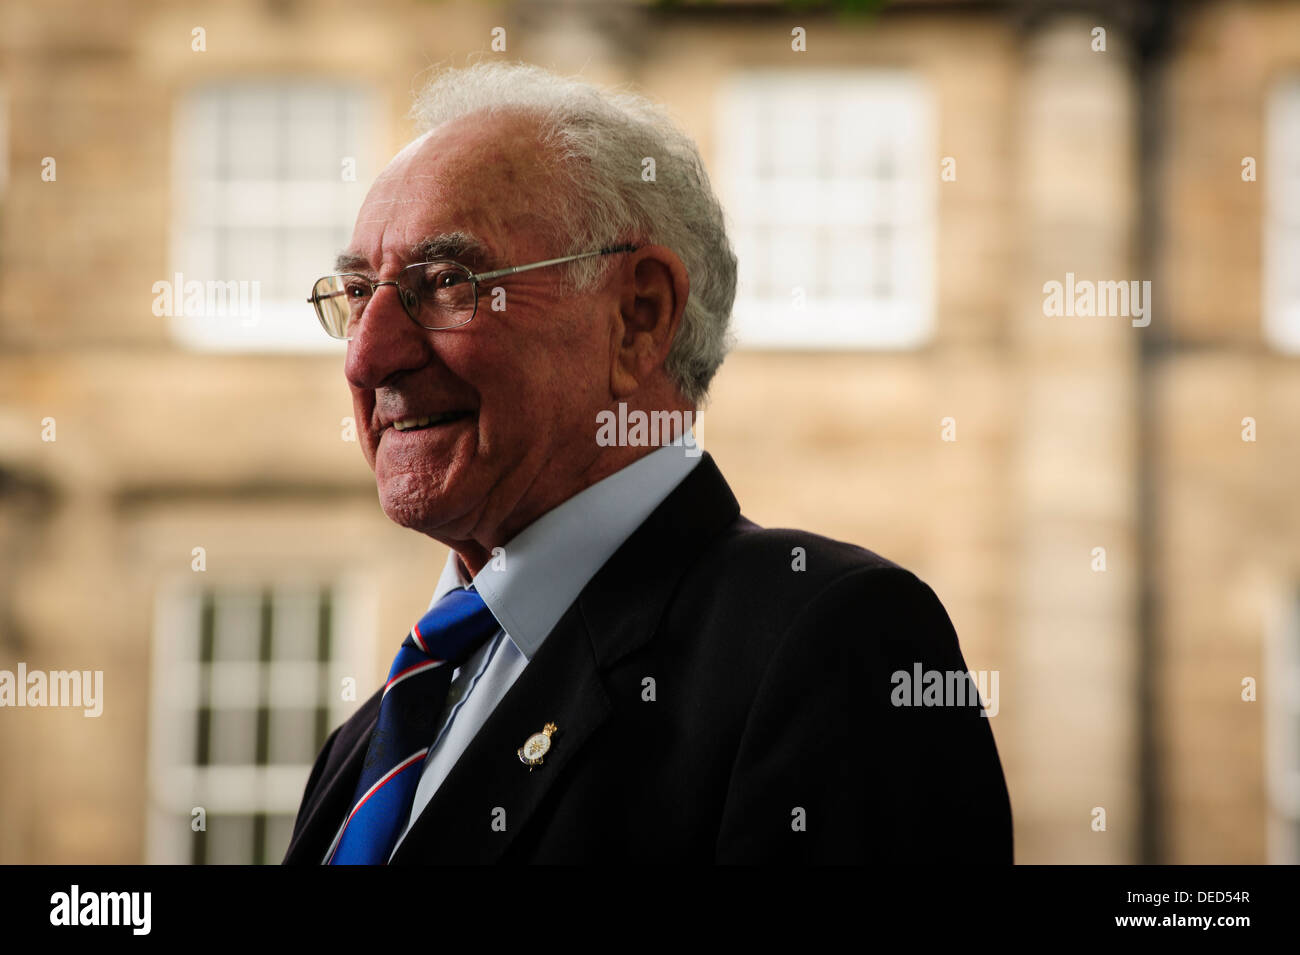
[(436, 295)]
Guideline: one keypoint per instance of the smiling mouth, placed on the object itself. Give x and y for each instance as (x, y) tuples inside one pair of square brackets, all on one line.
[(429, 421)]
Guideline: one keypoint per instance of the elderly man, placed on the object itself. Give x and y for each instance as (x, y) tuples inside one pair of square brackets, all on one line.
[(616, 665)]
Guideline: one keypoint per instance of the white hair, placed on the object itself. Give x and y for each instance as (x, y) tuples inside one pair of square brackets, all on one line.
[(600, 139)]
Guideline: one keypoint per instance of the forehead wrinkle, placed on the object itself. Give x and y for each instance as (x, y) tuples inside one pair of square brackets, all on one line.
[(420, 175)]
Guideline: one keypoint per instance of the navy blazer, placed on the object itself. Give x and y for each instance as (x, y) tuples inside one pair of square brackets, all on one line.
[(713, 704)]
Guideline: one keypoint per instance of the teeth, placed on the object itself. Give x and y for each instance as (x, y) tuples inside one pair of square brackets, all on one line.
[(407, 424)]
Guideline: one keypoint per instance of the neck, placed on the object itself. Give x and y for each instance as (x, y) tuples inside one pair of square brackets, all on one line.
[(475, 553), (546, 493)]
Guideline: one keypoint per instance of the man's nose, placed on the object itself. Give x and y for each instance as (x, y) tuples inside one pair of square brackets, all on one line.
[(385, 341), (405, 297)]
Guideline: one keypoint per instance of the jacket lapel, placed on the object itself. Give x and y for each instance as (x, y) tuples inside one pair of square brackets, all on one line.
[(617, 613), (490, 787)]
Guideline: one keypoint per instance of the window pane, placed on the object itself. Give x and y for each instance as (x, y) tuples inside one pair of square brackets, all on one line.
[(252, 721), (293, 736), (229, 840), (829, 186), (234, 736), (263, 199)]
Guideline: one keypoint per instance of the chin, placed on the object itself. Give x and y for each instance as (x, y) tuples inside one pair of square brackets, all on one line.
[(420, 511), (406, 510)]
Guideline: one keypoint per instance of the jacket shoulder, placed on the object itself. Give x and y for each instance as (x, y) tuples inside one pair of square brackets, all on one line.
[(751, 585), (793, 561)]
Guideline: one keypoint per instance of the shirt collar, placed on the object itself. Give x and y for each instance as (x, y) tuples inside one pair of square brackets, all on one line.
[(541, 571)]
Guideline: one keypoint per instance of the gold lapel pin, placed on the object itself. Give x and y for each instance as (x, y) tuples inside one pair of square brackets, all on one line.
[(536, 747)]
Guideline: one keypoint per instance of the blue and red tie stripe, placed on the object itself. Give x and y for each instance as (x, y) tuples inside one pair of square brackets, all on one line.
[(414, 697)]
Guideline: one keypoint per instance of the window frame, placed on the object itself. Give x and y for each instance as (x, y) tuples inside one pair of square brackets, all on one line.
[(909, 200), (214, 204), (179, 690)]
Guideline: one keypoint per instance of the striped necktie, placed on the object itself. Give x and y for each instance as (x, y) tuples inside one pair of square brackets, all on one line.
[(412, 704)]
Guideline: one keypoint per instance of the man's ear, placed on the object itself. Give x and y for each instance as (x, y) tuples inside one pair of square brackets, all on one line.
[(650, 305)]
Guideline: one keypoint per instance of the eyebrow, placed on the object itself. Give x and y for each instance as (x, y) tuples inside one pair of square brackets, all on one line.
[(464, 247)]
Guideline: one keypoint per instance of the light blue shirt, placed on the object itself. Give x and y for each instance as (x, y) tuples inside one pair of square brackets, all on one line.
[(529, 585)]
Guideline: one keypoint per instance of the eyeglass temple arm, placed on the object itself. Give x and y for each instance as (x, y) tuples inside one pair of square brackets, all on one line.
[(488, 276)]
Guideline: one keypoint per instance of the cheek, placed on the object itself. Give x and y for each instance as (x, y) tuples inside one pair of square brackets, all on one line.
[(361, 419), (533, 377)]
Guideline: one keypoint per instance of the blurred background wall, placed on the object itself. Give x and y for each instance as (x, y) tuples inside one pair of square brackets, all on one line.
[(1108, 509)]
